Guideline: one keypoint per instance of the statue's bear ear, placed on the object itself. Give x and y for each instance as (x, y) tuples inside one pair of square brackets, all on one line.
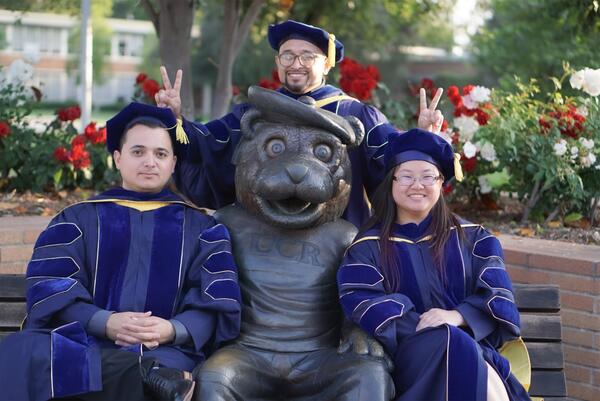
[(357, 128), (248, 123), (248, 129)]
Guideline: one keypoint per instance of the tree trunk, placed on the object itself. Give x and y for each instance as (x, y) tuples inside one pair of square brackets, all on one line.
[(535, 195), (173, 24), (235, 33)]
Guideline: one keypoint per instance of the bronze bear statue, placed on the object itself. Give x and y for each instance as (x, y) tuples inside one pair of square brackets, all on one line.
[(292, 183)]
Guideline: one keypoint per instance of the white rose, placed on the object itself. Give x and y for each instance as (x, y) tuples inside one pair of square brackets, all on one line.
[(589, 160), (484, 185), (469, 150), (488, 152), (467, 127), (574, 150), (582, 110), (576, 79), (560, 148), (468, 102), (587, 143), (480, 94), (591, 82)]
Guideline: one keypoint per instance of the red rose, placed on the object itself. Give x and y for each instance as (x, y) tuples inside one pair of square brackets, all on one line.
[(150, 88), (444, 126), (467, 89), (94, 135), (275, 76), (469, 164), (482, 116), (4, 129), (70, 113), (447, 189), (141, 77), (61, 154), (78, 142), (268, 84), (80, 158)]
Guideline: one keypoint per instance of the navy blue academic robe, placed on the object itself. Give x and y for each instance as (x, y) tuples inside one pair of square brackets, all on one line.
[(443, 363), (207, 176), (120, 251)]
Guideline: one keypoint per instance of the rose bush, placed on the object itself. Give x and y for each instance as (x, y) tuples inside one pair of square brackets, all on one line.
[(48, 157), (550, 146)]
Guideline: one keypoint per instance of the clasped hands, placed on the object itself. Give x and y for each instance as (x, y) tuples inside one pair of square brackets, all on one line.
[(132, 328)]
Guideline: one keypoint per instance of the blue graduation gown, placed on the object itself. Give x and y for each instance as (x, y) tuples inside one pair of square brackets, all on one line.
[(447, 362), (104, 255), (207, 176)]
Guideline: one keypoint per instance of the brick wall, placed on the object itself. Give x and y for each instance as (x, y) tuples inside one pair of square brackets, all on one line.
[(575, 268)]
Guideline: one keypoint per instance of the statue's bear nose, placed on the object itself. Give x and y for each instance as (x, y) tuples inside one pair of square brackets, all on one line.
[(297, 172)]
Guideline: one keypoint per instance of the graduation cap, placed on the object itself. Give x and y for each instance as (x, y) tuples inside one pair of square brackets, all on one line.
[(290, 29), (418, 144), (135, 113)]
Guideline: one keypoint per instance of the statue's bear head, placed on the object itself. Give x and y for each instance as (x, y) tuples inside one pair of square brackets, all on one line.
[(292, 163)]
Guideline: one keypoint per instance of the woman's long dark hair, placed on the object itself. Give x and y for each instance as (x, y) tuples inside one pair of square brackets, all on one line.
[(384, 214)]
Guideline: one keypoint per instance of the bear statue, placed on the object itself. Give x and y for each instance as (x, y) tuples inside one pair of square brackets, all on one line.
[(292, 183)]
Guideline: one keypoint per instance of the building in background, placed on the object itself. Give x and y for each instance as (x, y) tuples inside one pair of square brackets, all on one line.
[(42, 39)]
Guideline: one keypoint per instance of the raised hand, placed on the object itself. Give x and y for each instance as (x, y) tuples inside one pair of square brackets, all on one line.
[(170, 96), (430, 119)]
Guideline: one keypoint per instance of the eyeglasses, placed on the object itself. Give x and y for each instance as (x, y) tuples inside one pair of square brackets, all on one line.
[(306, 59), (408, 180)]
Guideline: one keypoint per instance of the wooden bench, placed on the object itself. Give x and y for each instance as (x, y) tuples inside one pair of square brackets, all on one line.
[(538, 305)]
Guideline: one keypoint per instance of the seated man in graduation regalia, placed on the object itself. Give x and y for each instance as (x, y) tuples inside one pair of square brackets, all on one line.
[(128, 291)]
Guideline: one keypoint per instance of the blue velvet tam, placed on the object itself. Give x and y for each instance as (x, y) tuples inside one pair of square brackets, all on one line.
[(136, 113), (418, 144), (290, 29)]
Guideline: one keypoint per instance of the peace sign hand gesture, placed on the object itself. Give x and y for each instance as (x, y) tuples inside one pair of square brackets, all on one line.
[(170, 96), (430, 119)]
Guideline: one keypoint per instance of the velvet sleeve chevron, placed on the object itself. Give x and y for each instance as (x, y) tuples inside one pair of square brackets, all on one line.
[(490, 310), (206, 176), (57, 279), (377, 128), (386, 317), (210, 308)]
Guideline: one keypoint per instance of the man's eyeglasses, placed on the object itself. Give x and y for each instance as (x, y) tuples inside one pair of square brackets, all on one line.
[(408, 180), (306, 59)]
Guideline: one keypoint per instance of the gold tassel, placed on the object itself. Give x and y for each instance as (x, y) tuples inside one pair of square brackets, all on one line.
[(458, 173), (331, 51), (180, 134)]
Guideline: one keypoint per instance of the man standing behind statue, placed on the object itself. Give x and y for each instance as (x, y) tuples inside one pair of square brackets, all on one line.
[(305, 56), (293, 183)]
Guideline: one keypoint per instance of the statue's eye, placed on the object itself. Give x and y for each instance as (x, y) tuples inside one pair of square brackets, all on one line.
[(275, 147), (323, 152)]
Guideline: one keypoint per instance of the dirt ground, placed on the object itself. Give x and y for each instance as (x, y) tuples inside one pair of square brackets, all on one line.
[(503, 219)]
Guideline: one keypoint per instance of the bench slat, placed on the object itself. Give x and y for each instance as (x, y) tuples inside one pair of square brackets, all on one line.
[(540, 327), (537, 297), (12, 286), (549, 383), (12, 314), (546, 355)]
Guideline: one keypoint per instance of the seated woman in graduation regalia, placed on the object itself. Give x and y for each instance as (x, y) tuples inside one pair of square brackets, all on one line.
[(431, 287), (128, 291)]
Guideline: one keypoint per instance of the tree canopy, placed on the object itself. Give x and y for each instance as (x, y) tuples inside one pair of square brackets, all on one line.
[(531, 39)]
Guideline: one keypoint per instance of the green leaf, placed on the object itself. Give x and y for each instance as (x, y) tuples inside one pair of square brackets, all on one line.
[(573, 217), (498, 178)]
